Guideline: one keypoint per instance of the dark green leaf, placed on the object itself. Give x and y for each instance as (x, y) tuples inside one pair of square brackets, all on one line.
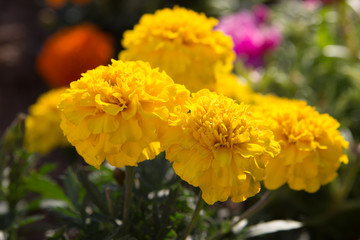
[(95, 196), (46, 187), (72, 187), (46, 168), (31, 219)]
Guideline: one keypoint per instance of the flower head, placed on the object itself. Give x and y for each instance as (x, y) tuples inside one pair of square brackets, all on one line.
[(42, 125), (230, 86), (311, 145), (219, 147), (72, 51), (115, 111), (181, 42), (253, 37)]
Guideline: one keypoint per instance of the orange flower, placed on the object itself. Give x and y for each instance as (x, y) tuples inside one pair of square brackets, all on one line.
[(60, 3), (72, 51)]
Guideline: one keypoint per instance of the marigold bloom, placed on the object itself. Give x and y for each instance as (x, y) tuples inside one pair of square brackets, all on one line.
[(220, 147), (253, 36), (183, 43), (72, 51), (114, 112), (42, 125), (230, 86), (311, 145)]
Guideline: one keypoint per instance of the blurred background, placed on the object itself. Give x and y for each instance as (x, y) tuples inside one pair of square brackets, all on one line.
[(25, 25)]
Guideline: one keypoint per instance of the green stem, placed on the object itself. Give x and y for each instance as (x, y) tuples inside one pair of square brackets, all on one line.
[(195, 215), (254, 208), (129, 176), (108, 200), (248, 213)]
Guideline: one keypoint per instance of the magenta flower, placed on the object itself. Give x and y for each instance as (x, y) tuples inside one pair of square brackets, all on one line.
[(252, 35)]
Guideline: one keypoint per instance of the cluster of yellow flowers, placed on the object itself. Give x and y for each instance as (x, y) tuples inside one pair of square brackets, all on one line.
[(128, 112)]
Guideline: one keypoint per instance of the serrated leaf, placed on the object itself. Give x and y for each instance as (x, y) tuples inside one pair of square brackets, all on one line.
[(168, 208), (72, 188), (94, 194)]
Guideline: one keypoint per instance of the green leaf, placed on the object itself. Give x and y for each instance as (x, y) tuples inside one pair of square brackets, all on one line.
[(177, 217), (29, 220), (46, 168), (95, 196), (45, 186), (72, 188), (171, 234)]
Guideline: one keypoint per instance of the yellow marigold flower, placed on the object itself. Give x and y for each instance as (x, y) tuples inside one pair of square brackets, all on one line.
[(311, 145), (42, 125), (183, 43), (114, 112), (220, 147), (72, 51), (230, 86)]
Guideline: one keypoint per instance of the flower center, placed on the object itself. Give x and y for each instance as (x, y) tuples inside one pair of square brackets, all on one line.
[(220, 130)]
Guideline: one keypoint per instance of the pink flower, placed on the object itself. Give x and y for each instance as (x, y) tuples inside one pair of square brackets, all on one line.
[(253, 37)]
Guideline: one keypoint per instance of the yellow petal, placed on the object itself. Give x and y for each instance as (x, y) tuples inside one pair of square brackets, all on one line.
[(312, 185), (344, 159), (249, 165), (127, 131), (90, 154), (132, 107), (120, 160), (132, 149), (222, 157), (151, 151), (295, 183), (244, 189), (249, 150), (78, 115), (224, 176), (109, 108), (293, 155), (276, 174), (188, 165), (211, 191), (102, 123), (306, 169)]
